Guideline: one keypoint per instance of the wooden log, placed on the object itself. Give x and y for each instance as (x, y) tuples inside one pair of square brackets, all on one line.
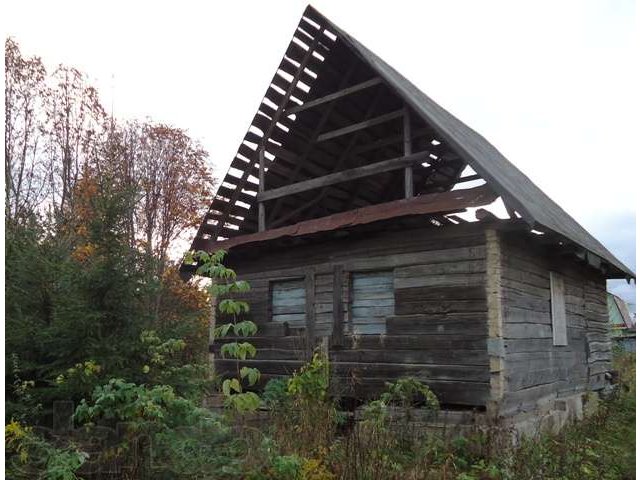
[(408, 170), (337, 305), (334, 96), (416, 342), (309, 282), (441, 324), (361, 125), (431, 356), (344, 176)]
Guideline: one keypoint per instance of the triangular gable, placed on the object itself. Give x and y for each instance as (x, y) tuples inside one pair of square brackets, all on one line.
[(321, 60)]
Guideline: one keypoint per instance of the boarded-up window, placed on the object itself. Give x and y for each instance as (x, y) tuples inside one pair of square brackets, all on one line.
[(288, 301), (558, 310), (372, 301)]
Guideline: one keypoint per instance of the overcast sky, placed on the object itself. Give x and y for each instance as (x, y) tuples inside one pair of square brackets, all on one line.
[(551, 84)]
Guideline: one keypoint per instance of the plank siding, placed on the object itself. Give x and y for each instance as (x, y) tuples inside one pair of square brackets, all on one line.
[(371, 301), (431, 317), (535, 368), (412, 304)]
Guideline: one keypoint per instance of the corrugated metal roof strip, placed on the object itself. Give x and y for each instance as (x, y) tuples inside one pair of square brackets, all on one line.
[(426, 204)]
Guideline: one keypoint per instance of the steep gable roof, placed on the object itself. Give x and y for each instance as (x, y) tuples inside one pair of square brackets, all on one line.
[(323, 59)]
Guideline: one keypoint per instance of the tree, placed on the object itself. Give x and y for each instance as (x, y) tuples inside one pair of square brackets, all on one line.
[(75, 126), (175, 185), (25, 171)]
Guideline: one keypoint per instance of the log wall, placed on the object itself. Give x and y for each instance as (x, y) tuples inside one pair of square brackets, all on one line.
[(435, 331), (471, 315), (534, 370)]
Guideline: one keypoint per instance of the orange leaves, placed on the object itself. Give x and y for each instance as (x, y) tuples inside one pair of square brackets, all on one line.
[(175, 184), (83, 252), (184, 293)]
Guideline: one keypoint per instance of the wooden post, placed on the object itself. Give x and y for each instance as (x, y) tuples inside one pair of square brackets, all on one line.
[(261, 214), (338, 306), (212, 328), (310, 306), (495, 340), (408, 171)]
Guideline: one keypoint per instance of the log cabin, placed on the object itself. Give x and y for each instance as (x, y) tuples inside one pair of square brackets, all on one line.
[(361, 213)]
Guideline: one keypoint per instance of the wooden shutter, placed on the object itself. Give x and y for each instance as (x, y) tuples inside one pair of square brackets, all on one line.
[(372, 301), (558, 310), (288, 302)]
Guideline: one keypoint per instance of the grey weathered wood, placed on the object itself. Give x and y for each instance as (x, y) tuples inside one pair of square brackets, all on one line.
[(300, 161), (360, 125), (344, 176), (408, 170), (334, 96), (288, 300), (262, 224), (309, 282), (439, 329), (261, 212), (558, 310), (338, 307), (297, 75), (372, 301)]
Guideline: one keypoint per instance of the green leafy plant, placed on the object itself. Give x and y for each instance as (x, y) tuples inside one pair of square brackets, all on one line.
[(29, 455), (312, 412), (311, 382), (225, 284), (405, 393), (275, 394), (163, 432)]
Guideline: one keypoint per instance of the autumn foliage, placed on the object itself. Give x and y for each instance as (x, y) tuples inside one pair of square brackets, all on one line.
[(96, 211)]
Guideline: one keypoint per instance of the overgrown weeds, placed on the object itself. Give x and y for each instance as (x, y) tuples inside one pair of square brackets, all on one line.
[(152, 432)]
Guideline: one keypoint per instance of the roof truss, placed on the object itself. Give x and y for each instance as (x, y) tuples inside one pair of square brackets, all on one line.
[(337, 130)]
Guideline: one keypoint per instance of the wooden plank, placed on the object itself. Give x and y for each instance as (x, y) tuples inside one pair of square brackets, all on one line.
[(441, 280), (416, 342), (431, 356), (338, 306), (275, 117), (441, 306), (408, 170), (343, 176), (261, 212), (360, 125), (309, 282), (288, 302), (334, 96), (372, 300), (558, 310), (440, 294), (471, 324), (301, 160)]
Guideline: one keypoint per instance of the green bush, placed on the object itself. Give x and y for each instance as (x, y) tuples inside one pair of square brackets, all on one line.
[(29, 456)]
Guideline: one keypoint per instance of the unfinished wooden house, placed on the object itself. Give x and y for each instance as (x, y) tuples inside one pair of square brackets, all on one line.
[(354, 209)]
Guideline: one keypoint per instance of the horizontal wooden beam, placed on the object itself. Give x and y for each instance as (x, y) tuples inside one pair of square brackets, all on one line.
[(360, 126), (344, 176), (469, 178), (334, 96)]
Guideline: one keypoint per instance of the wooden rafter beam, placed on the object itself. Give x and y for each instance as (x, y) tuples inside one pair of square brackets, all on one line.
[(346, 152), (361, 125), (408, 171), (451, 181), (301, 160), (274, 119), (334, 96), (344, 176)]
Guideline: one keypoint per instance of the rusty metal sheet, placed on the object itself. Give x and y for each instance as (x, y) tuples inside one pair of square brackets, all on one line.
[(425, 204)]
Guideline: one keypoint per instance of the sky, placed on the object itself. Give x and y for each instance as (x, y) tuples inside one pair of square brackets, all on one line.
[(552, 84)]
